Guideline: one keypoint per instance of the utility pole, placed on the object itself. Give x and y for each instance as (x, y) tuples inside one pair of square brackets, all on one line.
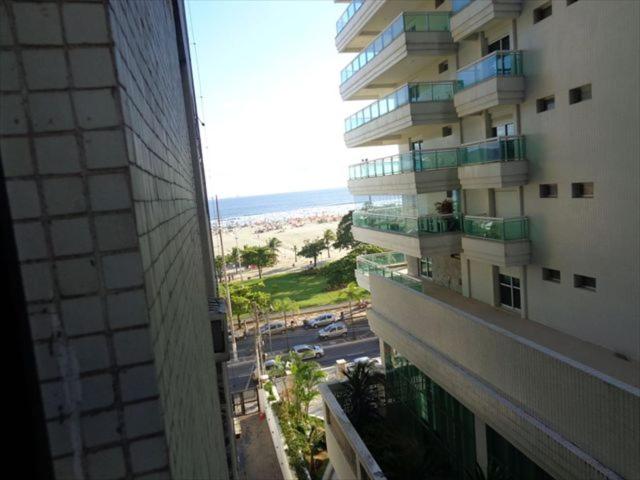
[(238, 257), (234, 346)]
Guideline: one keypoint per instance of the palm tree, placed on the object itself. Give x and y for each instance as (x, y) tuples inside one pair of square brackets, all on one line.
[(274, 244), (328, 237), (312, 250), (306, 378), (284, 306), (352, 293), (360, 395)]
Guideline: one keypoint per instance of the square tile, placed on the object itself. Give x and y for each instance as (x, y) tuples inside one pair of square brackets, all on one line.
[(100, 428), (116, 231), (16, 157), (71, 236), (105, 148), (148, 454), (82, 315), (109, 192), (59, 437), (9, 69), (77, 276), (45, 69), (30, 240), (138, 382), (96, 108), (122, 270), (37, 281), (12, 115), (51, 111), (91, 353), (38, 23), (132, 346), (64, 195), (92, 67), (85, 23), (143, 419), (127, 309), (106, 464), (57, 154), (96, 392)]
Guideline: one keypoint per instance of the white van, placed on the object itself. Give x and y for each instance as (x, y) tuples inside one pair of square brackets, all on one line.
[(334, 330), (273, 328)]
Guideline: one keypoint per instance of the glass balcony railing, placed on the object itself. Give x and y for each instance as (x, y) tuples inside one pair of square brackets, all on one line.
[(410, 93), (503, 229), (496, 64), (392, 220), (415, 161), (457, 5), (501, 149), (348, 14), (387, 265), (405, 22)]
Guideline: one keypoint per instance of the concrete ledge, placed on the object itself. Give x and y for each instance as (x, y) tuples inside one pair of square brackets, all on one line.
[(505, 254), (568, 417), (494, 174), (410, 183), (362, 280), (389, 128), (395, 64), (415, 246), (347, 452), (357, 27), (480, 14), (489, 93), (276, 435)]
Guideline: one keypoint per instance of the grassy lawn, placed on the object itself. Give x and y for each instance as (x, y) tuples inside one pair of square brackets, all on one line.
[(307, 289)]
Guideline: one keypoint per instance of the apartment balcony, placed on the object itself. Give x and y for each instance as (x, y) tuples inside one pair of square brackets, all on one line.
[(363, 20), (398, 53), (410, 173), (493, 163), (519, 373), (418, 236), (401, 114), (473, 16), (497, 241), (387, 264), (496, 79)]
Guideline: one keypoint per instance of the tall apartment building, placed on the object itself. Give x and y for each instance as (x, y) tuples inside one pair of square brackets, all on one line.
[(509, 299), (107, 244)]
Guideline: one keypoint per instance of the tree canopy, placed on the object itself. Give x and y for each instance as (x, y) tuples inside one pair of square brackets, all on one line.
[(312, 250), (259, 256), (340, 273), (344, 237), (328, 236)]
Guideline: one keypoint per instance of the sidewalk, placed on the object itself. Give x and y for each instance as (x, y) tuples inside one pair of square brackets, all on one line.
[(257, 456)]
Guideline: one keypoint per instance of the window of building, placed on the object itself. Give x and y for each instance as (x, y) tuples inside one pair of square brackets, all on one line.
[(509, 292), (508, 458), (580, 94), (582, 190), (443, 66), (582, 281), (426, 267), (506, 130), (439, 3), (548, 190), (546, 103), (551, 275), (447, 131), (542, 12), (502, 44), (571, 2), (417, 145)]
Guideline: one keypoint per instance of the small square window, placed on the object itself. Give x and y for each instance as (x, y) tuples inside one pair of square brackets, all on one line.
[(551, 275), (439, 3), (571, 2), (582, 281), (443, 66), (546, 103), (579, 94), (582, 190), (447, 131), (548, 190), (542, 12)]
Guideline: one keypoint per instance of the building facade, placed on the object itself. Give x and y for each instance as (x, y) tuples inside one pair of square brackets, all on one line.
[(513, 283), (103, 174)]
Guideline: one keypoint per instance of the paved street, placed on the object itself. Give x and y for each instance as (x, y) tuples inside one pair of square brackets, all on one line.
[(240, 372), (282, 342)]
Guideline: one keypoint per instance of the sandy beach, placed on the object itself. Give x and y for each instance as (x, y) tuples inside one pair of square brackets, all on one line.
[(291, 231)]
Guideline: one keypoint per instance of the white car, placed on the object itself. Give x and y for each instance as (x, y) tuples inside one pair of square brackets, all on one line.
[(309, 351), (375, 363), (273, 328), (337, 329), (320, 321)]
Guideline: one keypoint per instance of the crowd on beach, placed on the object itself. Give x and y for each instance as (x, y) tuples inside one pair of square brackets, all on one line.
[(263, 225)]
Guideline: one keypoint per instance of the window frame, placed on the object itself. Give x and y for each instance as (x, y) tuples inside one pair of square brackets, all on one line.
[(540, 13), (579, 282), (578, 190), (428, 261), (548, 275), (549, 186), (512, 287)]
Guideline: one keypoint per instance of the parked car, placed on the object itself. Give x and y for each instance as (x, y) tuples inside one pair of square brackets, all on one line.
[(273, 327), (309, 351), (334, 330), (269, 365), (320, 321), (375, 363)]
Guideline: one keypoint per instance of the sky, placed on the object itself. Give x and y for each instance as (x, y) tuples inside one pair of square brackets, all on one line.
[(267, 75)]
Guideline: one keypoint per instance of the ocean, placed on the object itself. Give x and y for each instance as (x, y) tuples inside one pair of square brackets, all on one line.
[(283, 205)]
